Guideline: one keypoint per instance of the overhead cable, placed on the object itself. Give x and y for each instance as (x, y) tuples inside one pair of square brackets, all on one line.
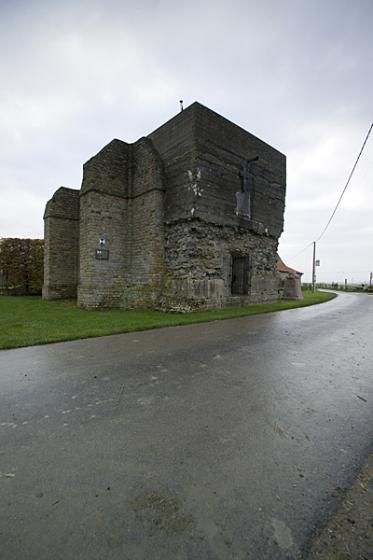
[(301, 251), (346, 185)]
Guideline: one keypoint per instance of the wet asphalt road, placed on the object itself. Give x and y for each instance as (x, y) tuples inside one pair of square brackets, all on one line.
[(224, 440)]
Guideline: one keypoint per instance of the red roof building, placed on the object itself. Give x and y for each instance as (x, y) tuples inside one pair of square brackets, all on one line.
[(280, 266)]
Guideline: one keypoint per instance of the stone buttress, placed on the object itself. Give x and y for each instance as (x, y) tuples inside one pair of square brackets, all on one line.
[(61, 247), (121, 204)]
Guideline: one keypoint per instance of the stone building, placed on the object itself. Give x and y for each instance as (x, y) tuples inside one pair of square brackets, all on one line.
[(289, 280), (186, 217)]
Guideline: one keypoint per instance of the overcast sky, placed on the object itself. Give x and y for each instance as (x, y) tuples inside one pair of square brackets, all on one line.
[(295, 73)]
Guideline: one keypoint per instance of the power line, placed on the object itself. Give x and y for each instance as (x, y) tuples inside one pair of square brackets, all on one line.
[(346, 185), (301, 251), (336, 207), (314, 263)]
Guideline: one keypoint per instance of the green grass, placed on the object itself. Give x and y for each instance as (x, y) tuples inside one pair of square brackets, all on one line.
[(25, 321)]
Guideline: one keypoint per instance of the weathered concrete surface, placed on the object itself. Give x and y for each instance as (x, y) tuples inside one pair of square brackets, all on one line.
[(225, 440), (349, 534)]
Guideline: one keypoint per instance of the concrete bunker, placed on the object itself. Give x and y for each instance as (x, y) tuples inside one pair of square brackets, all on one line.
[(187, 217)]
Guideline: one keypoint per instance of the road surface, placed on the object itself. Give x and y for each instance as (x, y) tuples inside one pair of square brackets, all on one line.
[(223, 440)]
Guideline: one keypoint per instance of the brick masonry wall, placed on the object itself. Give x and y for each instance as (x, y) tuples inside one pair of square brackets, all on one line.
[(146, 244), (110, 170), (101, 282), (61, 246), (105, 214), (130, 219)]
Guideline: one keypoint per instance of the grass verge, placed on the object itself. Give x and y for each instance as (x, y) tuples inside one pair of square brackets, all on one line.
[(26, 321)]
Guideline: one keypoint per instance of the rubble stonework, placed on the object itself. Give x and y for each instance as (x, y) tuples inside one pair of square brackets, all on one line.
[(199, 265), (188, 217)]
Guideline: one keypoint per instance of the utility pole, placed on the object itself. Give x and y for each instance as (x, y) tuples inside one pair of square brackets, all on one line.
[(314, 266)]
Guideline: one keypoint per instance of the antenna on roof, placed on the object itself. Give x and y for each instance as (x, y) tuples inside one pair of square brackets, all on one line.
[(181, 105)]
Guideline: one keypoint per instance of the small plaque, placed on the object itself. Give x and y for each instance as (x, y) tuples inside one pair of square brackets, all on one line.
[(102, 254)]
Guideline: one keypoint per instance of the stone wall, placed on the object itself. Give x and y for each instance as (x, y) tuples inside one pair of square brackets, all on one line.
[(146, 243), (61, 249), (199, 266), (124, 206), (102, 281), (104, 214), (109, 171)]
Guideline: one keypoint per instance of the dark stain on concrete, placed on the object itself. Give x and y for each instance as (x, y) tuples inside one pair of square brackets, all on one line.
[(158, 512)]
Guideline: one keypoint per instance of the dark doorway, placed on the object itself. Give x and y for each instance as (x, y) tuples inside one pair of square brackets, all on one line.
[(240, 275)]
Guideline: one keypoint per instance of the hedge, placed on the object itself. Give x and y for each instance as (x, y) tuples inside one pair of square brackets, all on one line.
[(21, 266)]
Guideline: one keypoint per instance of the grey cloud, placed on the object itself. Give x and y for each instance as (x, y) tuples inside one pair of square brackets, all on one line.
[(295, 73)]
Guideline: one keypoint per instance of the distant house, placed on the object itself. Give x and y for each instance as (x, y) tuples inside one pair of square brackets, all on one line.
[(289, 280), (284, 270)]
